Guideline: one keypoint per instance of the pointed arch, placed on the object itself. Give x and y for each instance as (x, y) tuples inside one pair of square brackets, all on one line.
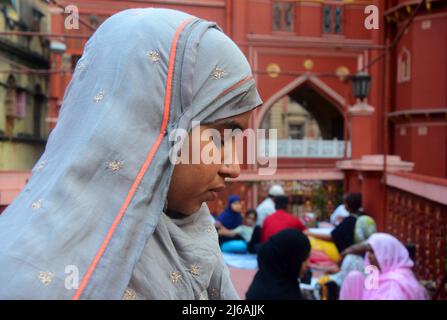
[(317, 84)]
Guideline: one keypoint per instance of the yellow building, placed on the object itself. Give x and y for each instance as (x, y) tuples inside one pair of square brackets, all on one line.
[(292, 121), (23, 98)]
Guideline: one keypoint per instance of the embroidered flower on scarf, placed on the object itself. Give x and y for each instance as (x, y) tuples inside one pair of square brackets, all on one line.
[(214, 293), (176, 277), (129, 294), (218, 73), (154, 56), (36, 204), (99, 96), (115, 165), (194, 270), (81, 66), (40, 166), (45, 277)]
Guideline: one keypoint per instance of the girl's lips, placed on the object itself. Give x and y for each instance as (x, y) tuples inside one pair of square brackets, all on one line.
[(213, 194)]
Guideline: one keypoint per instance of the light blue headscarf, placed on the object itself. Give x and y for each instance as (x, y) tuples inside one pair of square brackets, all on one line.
[(96, 196)]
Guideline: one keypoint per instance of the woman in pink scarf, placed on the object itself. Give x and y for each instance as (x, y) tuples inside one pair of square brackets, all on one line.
[(394, 279)]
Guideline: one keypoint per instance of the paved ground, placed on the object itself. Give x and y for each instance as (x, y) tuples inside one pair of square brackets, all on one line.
[(242, 279)]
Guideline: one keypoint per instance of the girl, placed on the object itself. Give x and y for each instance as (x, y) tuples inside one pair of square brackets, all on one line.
[(282, 260), (107, 214), (396, 280)]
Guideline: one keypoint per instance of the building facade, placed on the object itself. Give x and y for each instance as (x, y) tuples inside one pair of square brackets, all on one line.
[(24, 83), (23, 99), (301, 54)]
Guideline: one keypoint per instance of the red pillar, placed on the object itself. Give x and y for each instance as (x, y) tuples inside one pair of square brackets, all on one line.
[(372, 191), (362, 130)]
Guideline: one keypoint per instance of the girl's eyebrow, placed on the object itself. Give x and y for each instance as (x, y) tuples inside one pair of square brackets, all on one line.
[(230, 124)]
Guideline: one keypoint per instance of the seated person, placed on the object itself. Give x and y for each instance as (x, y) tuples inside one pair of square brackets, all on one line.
[(280, 220), (339, 214), (393, 278), (267, 207), (231, 217), (242, 234), (282, 260), (342, 236), (353, 257), (310, 220)]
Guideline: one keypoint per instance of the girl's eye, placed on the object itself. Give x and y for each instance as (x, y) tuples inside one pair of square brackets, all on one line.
[(218, 142)]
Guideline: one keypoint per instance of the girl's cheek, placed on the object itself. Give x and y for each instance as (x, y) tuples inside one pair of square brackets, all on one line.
[(207, 172)]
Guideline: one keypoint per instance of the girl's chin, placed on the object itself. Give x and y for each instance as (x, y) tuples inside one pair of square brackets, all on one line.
[(211, 196), (195, 204)]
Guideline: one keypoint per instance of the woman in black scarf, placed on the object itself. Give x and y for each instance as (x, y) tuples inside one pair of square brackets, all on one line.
[(282, 261)]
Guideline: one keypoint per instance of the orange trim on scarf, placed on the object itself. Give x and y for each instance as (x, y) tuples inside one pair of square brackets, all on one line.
[(234, 86), (143, 169)]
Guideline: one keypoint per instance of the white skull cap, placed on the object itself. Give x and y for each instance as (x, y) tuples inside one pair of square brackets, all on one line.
[(276, 190)]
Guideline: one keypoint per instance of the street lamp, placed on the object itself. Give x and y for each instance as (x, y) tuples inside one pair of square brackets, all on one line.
[(361, 84)]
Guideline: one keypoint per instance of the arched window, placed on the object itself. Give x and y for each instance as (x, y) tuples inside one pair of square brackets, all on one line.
[(404, 66)]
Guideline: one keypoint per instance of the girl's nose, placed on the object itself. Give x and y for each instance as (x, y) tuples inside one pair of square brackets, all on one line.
[(230, 170)]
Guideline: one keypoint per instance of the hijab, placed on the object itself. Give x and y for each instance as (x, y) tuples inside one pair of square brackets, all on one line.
[(365, 226), (280, 260), (230, 218), (396, 278), (93, 207)]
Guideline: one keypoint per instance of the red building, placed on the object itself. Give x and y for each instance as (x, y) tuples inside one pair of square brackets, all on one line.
[(302, 53)]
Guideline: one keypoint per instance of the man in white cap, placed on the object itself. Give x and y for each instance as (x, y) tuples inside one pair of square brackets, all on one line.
[(267, 207)]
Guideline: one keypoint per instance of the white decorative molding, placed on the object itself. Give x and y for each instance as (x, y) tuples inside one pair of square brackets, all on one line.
[(376, 163), (418, 124), (318, 149), (418, 112), (293, 174), (361, 109)]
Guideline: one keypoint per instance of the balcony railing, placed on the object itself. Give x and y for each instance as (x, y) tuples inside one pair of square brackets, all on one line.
[(417, 214), (330, 149)]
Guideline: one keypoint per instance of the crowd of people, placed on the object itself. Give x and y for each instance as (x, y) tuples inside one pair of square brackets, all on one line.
[(346, 256)]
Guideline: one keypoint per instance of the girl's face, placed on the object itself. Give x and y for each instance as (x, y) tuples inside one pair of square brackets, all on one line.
[(372, 257), (236, 206), (192, 184), (250, 220)]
